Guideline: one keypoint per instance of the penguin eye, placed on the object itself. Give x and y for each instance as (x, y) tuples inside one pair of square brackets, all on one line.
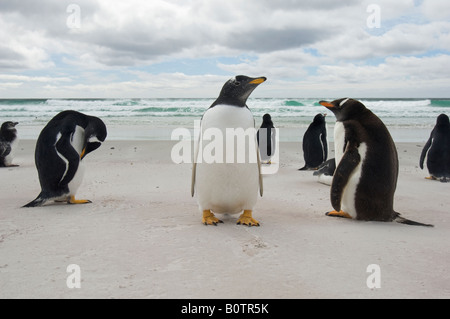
[(237, 83)]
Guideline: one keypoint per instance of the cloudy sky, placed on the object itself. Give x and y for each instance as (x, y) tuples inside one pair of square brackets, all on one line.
[(188, 48)]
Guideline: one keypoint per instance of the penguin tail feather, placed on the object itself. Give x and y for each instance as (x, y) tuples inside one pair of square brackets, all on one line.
[(39, 201), (405, 221)]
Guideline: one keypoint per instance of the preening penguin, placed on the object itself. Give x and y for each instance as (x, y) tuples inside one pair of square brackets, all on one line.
[(8, 142), (228, 182), (266, 138), (438, 150), (366, 175), (315, 147), (60, 149)]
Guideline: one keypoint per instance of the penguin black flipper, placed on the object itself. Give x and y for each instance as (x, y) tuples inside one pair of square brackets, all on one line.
[(425, 149), (70, 156), (347, 165), (194, 162), (5, 150), (323, 138)]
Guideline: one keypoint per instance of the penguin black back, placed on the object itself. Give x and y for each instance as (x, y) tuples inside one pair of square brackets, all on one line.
[(266, 141), (315, 147), (438, 150)]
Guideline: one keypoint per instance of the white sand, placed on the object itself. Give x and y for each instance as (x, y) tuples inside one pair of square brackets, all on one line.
[(142, 236)]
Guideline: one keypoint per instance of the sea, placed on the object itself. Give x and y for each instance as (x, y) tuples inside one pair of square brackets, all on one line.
[(409, 120)]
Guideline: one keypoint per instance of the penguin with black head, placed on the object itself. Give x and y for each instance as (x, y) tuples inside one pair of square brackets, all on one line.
[(266, 138), (438, 150), (229, 186), (315, 146), (60, 149), (8, 143), (366, 175)]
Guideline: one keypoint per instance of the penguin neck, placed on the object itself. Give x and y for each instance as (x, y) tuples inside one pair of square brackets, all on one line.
[(228, 100)]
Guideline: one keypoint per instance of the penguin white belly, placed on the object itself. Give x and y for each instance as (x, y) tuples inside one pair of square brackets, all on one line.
[(77, 141), (339, 141), (230, 185), (349, 193)]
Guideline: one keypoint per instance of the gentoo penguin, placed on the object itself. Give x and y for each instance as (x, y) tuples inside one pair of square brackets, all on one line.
[(365, 179), (8, 142), (315, 147), (325, 171), (60, 150), (438, 149), (266, 137), (229, 184)]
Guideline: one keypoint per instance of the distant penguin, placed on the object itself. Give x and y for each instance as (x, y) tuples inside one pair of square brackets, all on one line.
[(365, 179), (228, 186), (438, 149), (266, 137), (315, 147), (60, 150), (325, 171), (8, 143)]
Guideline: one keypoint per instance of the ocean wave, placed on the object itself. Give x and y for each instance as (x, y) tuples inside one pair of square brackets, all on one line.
[(288, 111)]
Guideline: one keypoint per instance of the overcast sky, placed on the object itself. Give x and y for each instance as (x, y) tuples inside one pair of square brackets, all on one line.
[(189, 48)]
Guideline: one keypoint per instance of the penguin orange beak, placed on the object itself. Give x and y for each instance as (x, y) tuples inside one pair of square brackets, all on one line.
[(326, 104), (258, 80)]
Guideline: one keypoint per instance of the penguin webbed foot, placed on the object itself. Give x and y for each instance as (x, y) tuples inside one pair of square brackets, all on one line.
[(247, 219), (74, 201), (210, 219), (340, 214)]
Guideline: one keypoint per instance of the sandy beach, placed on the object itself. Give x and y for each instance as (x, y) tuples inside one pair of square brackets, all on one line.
[(142, 236)]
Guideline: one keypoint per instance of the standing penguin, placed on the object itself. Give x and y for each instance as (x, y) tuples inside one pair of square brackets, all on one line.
[(438, 149), (315, 147), (229, 185), (266, 140), (60, 150), (365, 179), (8, 143)]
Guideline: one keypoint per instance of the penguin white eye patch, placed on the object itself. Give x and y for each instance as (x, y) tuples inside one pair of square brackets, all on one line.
[(93, 139), (343, 102)]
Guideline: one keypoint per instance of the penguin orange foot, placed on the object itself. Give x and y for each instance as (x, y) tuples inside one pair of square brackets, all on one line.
[(247, 219), (339, 214), (210, 219), (72, 200)]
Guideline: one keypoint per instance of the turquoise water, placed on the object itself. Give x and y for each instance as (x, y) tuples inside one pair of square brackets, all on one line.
[(147, 114)]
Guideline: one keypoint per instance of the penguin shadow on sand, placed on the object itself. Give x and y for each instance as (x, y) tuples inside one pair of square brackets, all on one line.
[(8, 144), (60, 149), (367, 165), (437, 151), (315, 146)]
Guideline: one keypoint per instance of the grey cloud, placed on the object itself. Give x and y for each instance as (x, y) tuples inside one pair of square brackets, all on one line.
[(267, 40)]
